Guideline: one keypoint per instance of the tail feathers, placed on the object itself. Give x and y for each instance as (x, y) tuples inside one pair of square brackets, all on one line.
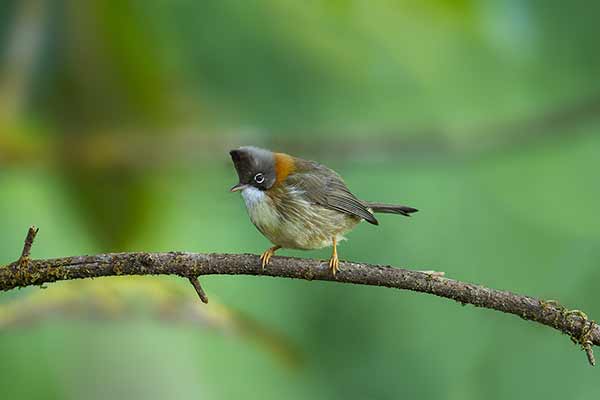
[(391, 209)]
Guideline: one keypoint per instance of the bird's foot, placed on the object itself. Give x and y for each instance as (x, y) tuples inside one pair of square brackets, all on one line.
[(265, 257), (334, 264)]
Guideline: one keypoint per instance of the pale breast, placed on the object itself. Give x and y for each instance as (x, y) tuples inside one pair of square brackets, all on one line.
[(289, 220), (261, 210)]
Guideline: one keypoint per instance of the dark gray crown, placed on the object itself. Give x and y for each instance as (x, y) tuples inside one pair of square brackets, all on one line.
[(249, 161)]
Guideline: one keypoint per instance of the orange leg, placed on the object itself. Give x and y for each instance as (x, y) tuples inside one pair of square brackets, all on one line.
[(334, 262), (266, 256)]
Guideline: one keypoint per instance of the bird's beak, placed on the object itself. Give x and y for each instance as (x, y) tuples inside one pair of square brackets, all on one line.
[(238, 187)]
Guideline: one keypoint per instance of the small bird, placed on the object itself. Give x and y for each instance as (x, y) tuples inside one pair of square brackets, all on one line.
[(300, 204)]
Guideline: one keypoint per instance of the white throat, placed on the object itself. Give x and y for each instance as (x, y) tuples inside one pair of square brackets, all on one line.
[(260, 208), (253, 196)]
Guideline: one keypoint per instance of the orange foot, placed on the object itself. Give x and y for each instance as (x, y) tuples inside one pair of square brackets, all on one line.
[(334, 262), (266, 256)]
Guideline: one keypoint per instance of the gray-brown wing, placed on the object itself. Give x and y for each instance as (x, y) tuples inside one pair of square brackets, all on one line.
[(326, 188)]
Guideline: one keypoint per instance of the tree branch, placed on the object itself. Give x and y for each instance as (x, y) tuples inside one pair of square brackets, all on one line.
[(31, 233), (575, 323), (196, 285)]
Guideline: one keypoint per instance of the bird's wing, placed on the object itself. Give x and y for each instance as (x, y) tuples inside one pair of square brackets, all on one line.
[(326, 188)]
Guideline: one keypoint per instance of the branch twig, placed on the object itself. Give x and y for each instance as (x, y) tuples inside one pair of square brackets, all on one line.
[(587, 346), (575, 323), (31, 233), (201, 293)]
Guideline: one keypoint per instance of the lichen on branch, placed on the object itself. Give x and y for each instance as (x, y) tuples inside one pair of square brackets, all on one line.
[(574, 323)]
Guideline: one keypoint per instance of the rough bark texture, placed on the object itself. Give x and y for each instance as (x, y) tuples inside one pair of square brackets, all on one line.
[(191, 265)]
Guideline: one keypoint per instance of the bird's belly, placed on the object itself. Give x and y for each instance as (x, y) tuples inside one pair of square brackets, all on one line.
[(296, 223)]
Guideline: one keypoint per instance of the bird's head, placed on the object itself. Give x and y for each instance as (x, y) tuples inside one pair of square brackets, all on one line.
[(255, 168)]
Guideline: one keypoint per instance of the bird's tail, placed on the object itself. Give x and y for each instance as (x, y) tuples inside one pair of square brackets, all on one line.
[(391, 209)]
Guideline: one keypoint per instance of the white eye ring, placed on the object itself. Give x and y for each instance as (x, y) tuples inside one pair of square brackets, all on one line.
[(259, 178)]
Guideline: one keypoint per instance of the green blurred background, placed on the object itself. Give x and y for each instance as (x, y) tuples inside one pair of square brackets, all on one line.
[(115, 122)]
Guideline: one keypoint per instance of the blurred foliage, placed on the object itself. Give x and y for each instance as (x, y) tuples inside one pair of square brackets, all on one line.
[(119, 300), (115, 118)]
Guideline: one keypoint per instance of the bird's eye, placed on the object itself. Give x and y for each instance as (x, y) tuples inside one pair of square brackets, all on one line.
[(259, 178)]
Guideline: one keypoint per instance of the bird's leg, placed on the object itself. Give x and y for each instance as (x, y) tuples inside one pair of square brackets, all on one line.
[(334, 262), (266, 256)]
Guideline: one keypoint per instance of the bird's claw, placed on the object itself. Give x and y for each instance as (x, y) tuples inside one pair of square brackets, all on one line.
[(265, 257), (334, 264)]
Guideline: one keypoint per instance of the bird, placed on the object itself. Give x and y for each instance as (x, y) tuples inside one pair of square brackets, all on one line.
[(300, 204)]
